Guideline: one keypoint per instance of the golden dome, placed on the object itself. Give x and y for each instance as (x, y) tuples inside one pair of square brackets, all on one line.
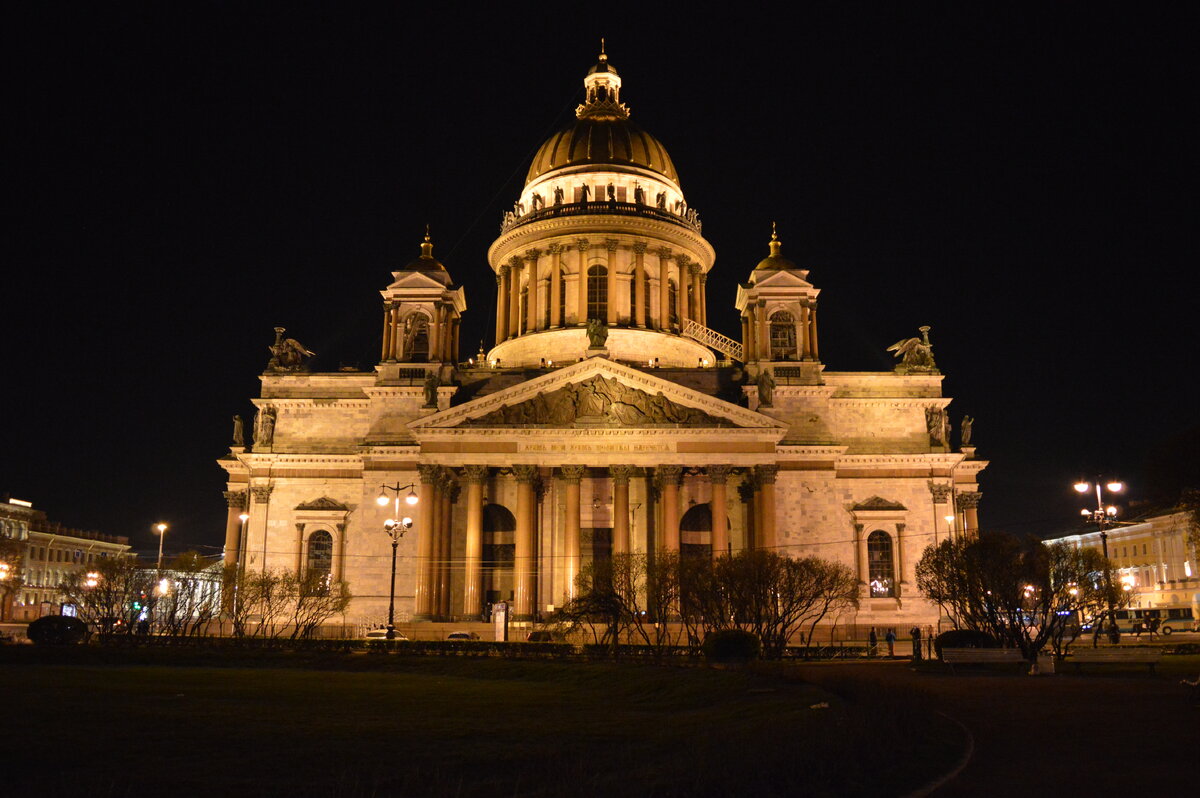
[(775, 261), (426, 262), (616, 142)]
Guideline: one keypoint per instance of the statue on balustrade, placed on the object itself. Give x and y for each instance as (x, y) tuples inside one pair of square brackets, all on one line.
[(597, 333)]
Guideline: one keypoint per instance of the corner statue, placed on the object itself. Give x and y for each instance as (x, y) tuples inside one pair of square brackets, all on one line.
[(965, 430), (766, 388), (597, 333), (432, 383), (287, 354), (916, 354), (239, 433)]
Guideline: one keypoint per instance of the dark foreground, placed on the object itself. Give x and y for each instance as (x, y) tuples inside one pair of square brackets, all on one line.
[(101, 725)]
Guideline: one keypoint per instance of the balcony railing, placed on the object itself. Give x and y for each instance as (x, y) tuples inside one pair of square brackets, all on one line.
[(689, 218)]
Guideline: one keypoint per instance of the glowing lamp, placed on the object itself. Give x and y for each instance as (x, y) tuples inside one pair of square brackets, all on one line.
[(1111, 510), (244, 517), (1082, 487), (412, 497), (381, 499), (1085, 513), (1116, 487)]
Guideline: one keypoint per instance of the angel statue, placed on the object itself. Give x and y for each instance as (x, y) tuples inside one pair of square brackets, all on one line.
[(916, 354), (287, 354), (597, 333)]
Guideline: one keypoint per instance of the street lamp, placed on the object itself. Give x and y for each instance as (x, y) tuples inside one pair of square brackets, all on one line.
[(395, 527), (161, 528), (1104, 517)]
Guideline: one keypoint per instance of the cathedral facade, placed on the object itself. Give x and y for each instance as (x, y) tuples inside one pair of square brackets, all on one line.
[(607, 417)]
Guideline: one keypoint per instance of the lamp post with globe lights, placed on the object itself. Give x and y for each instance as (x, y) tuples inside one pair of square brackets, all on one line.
[(395, 527), (1104, 517)]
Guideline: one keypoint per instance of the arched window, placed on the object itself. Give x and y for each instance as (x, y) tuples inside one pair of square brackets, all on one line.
[(783, 336), (879, 565), (416, 339), (672, 302), (320, 552), (597, 293), (695, 531)]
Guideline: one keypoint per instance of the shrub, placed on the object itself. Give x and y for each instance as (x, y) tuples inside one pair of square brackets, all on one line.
[(963, 638), (57, 630), (731, 645)]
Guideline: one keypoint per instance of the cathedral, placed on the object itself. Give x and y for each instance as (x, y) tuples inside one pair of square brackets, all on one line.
[(606, 418)]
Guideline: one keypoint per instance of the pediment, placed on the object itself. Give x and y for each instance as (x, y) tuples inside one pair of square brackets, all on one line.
[(877, 503), (324, 504), (783, 279), (416, 280), (598, 393)]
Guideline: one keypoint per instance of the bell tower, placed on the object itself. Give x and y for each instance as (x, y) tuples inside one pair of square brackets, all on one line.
[(422, 310)]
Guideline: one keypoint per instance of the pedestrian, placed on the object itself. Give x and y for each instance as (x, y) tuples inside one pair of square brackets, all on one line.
[(891, 641), (916, 643), (872, 642), (1153, 628)]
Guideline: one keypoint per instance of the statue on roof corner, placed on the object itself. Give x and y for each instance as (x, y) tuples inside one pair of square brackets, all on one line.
[(597, 333), (916, 354), (432, 383), (766, 388), (287, 354)]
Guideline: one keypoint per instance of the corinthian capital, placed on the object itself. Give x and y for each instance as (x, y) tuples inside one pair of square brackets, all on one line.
[(940, 492), (969, 500), (525, 473), (235, 499), (475, 473), (639, 247), (582, 244), (572, 473), (555, 249)]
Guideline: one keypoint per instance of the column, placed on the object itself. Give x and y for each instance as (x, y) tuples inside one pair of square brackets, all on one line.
[(901, 559), (746, 494), (425, 542), (235, 501), (610, 246), (968, 506), (524, 573), (556, 309), (514, 297), (435, 335), (581, 246), (747, 339), (434, 566), (571, 476), (259, 510), (664, 289), (860, 559), (502, 304), (532, 317), (697, 312), (941, 508), (803, 340), (638, 314), (668, 477), (718, 475), (475, 476), (620, 477), (765, 475), (704, 299), (762, 340), (446, 524), (812, 333), (386, 350), (681, 288)]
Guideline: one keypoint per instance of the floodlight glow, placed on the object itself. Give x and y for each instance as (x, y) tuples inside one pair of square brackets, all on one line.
[(381, 499), (1082, 487), (1116, 486), (412, 497)]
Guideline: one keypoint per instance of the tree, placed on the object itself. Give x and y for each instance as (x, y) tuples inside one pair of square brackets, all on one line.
[(276, 602), (110, 596), (316, 598), (12, 573), (1022, 592), (191, 599)]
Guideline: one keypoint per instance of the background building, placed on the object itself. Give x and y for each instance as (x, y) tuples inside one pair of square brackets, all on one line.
[(49, 552), (607, 417)]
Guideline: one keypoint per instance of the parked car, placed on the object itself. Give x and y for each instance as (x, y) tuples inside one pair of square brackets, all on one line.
[(462, 636), (381, 634)]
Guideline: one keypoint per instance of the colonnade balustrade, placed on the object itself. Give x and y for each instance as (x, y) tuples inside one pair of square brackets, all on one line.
[(440, 488)]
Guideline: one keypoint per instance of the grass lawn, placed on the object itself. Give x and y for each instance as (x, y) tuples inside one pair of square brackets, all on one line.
[(374, 726)]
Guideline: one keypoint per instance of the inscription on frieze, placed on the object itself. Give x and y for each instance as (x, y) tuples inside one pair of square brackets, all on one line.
[(598, 402)]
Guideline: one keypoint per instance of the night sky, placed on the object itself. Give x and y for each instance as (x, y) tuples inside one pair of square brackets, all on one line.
[(1022, 181)]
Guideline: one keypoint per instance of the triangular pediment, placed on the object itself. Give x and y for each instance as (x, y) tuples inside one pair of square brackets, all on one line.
[(876, 503), (598, 393), (324, 504), (416, 280)]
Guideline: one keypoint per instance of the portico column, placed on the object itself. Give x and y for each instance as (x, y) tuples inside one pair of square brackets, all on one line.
[(766, 480), (259, 510), (425, 542), (664, 289), (435, 335), (642, 291), (386, 351), (805, 348), (941, 508), (524, 573), (581, 246), (610, 247), (620, 478), (235, 500), (435, 555), (681, 288), (556, 309), (514, 297), (475, 476), (860, 560), (668, 477), (747, 339), (449, 495), (717, 477), (761, 339), (968, 504), (502, 304), (812, 333), (570, 476)]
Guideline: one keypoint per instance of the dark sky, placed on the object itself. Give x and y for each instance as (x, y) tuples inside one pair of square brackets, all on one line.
[(1021, 180)]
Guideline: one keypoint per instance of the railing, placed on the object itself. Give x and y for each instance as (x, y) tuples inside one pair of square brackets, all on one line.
[(689, 218), (713, 339)]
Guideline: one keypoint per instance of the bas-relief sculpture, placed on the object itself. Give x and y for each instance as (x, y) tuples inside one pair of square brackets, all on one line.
[(937, 423), (599, 401), (916, 354), (264, 426)]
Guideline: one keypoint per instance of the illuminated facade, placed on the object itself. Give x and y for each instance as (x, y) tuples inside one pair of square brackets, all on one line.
[(607, 417)]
